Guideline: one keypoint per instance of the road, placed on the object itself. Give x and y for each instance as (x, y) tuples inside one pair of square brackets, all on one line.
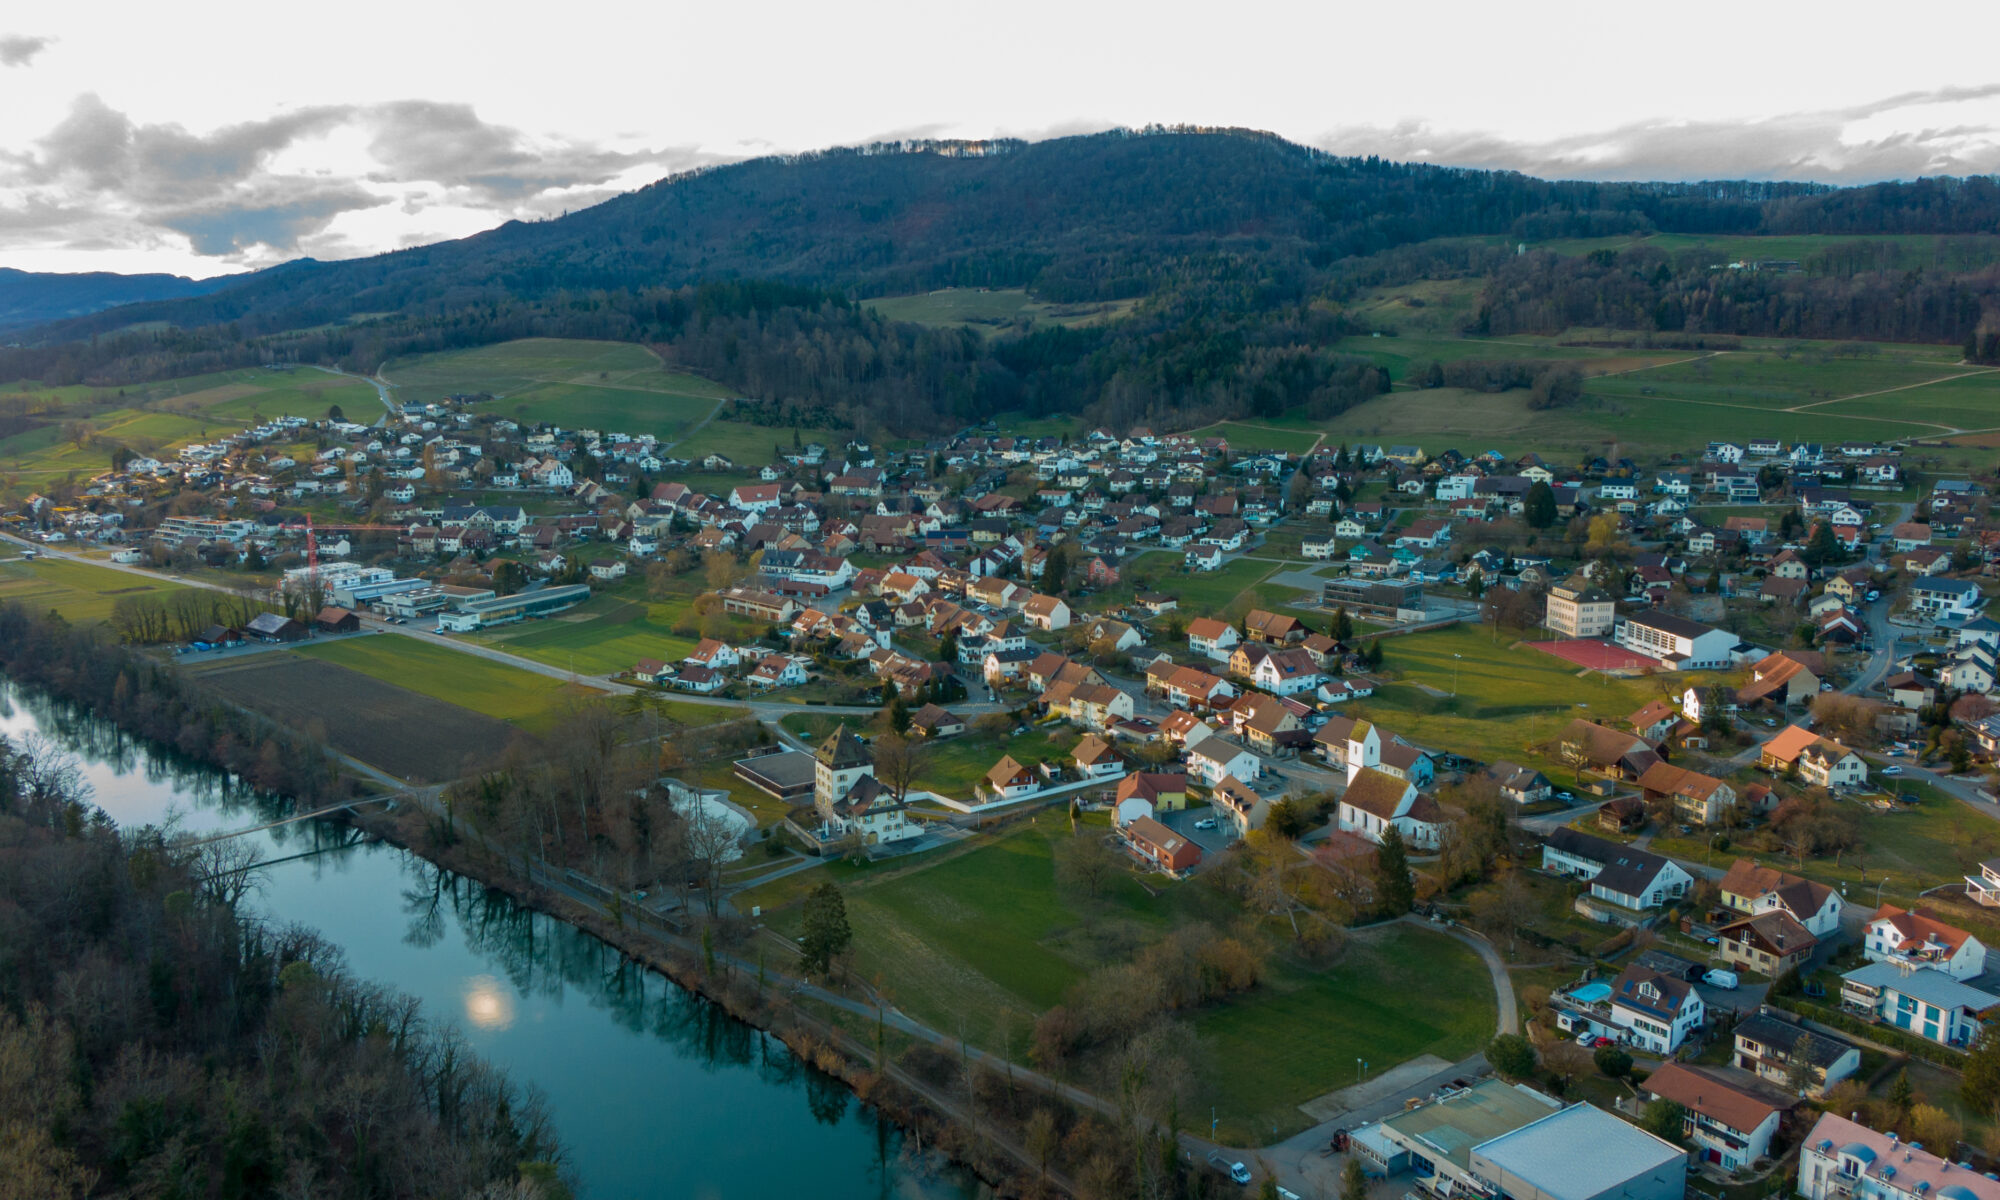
[(381, 389)]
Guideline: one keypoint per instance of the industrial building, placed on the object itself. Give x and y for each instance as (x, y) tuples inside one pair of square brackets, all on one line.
[(503, 610)]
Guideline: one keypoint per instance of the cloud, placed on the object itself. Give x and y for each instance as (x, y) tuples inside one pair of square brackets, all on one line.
[(18, 49), (1949, 131), (223, 192)]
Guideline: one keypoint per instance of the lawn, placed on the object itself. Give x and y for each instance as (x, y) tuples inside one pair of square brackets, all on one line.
[(248, 397), (1772, 380), (531, 701), (665, 415), (749, 446), (1969, 401), (978, 942), (1245, 438), (1508, 697), (80, 592), (1209, 592), (1936, 841), (512, 367)]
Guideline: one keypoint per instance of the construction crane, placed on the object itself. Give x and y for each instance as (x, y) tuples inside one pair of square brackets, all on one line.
[(312, 543)]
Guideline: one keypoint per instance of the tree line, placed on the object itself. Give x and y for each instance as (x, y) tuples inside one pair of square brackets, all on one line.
[(155, 1041)]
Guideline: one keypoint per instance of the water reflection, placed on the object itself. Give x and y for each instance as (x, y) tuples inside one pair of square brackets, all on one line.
[(655, 1091), (487, 1004)]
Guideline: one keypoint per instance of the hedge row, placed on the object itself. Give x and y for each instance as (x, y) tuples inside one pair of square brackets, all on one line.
[(1886, 1035)]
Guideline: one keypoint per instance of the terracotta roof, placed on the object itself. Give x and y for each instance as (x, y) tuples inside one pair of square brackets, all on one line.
[(1093, 749), (1712, 1096), (1651, 715), (1006, 772), (1151, 785), (1679, 781), (1916, 928)]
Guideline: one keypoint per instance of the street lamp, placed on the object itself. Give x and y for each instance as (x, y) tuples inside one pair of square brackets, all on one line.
[(1361, 1068), (1878, 891), (1708, 854), (1454, 675)]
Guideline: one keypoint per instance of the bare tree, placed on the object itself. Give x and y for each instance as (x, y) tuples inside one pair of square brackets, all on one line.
[(1086, 863), (899, 759)]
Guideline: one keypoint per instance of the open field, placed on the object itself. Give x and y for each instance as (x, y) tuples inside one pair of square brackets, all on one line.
[(406, 733), (242, 398), (1426, 308), (1509, 698), (578, 384), (1763, 380), (494, 689), (80, 592), (978, 942), (986, 308), (602, 636), (1246, 437), (1969, 401)]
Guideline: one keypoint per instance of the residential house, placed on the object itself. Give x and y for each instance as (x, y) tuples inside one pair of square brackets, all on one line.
[(1698, 799), (1770, 943), (1209, 760), (1162, 847), (1048, 613), (1919, 1000), (1842, 1159), (1945, 599), (1749, 888), (1908, 937), (935, 721), (1820, 761), (1655, 721), (1009, 780), (1605, 750), (1273, 628), (1213, 638), (1768, 1042), (1618, 874), (850, 802), (1095, 759), (1239, 804), (1519, 784), (1728, 1123), (1163, 791), (1657, 1011)]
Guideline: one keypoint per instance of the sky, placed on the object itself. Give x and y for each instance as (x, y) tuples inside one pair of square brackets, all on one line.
[(221, 136)]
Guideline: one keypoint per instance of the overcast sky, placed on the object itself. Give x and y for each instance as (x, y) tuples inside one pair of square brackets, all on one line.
[(224, 136)]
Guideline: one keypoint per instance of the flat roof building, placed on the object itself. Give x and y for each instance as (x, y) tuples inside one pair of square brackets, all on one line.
[(502, 610), (1581, 1153)]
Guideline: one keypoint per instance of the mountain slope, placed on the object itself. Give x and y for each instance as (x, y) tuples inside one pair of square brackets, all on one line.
[(33, 298)]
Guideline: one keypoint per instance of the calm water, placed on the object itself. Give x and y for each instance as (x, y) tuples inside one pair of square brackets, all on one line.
[(654, 1092)]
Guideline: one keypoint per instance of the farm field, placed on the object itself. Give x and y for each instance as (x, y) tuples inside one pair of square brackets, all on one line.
[(1247, 437), (579, 384), (992, 307), (80, 592), (241, 398), (978, 943), (523, 698), (1969, 401), (1509, 697), (1766, 380), (602, 636), (405, 733)]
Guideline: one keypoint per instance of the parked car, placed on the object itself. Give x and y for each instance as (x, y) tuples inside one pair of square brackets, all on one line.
[(1566, 797), (1892, 769), (1725, 980), (1205, 823)]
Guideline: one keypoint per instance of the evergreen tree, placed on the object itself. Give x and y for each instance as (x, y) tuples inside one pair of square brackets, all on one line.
[(1343, 625), (1511, 1055), (1981, 1087), (1821, 547), (826, 934), (1666, 1120), (1539, 508), (1395, 887)]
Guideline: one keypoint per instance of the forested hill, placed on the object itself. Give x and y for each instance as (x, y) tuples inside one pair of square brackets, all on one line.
[(1105, 216), (29, 298), (1242, 247)]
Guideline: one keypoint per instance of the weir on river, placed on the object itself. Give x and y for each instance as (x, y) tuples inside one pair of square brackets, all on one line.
[(655, 1092)]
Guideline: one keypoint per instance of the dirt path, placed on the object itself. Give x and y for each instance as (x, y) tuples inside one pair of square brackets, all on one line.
[(1898, 388)]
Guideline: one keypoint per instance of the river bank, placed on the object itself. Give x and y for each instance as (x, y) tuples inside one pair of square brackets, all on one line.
[(655, 1090)]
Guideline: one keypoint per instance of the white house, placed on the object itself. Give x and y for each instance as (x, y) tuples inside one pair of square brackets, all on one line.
[(1897, 936), (1216, 639), (1919, 1000), (1622, 875), (1375, 800), (1658, 1011), (1212, 759), (1945, 599), (1729, 1125)]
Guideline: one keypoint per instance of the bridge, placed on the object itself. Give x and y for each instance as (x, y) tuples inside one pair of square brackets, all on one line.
[(329, 810)]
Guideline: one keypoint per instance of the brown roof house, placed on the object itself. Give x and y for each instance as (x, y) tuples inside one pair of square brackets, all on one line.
[(1162, 847), (1697, 798), (1605, 750), (1750, 889), (1769, 943)]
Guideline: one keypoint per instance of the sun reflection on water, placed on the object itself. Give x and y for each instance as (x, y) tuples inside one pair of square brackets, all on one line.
[(488, 1003)]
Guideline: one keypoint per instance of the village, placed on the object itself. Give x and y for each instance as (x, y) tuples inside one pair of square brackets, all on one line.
[(1576, 708)]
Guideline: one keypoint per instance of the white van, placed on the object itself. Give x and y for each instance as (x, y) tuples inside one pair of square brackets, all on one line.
[(1726, 980)]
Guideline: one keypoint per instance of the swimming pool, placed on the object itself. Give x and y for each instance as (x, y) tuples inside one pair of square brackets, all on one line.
[(1591, 993)]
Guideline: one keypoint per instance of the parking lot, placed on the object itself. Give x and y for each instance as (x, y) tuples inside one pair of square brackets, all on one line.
[(1212, 841)]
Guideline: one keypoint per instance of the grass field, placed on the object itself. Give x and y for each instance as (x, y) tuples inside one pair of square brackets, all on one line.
[(1507, 698), (602, 636), (1771, 380), (1969, 401), (978, 942), (985, 308), (493, 689), (1245, 438), (578, 384), (80, 592)]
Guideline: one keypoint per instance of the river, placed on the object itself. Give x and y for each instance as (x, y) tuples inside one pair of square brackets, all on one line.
[(655, 1092)]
